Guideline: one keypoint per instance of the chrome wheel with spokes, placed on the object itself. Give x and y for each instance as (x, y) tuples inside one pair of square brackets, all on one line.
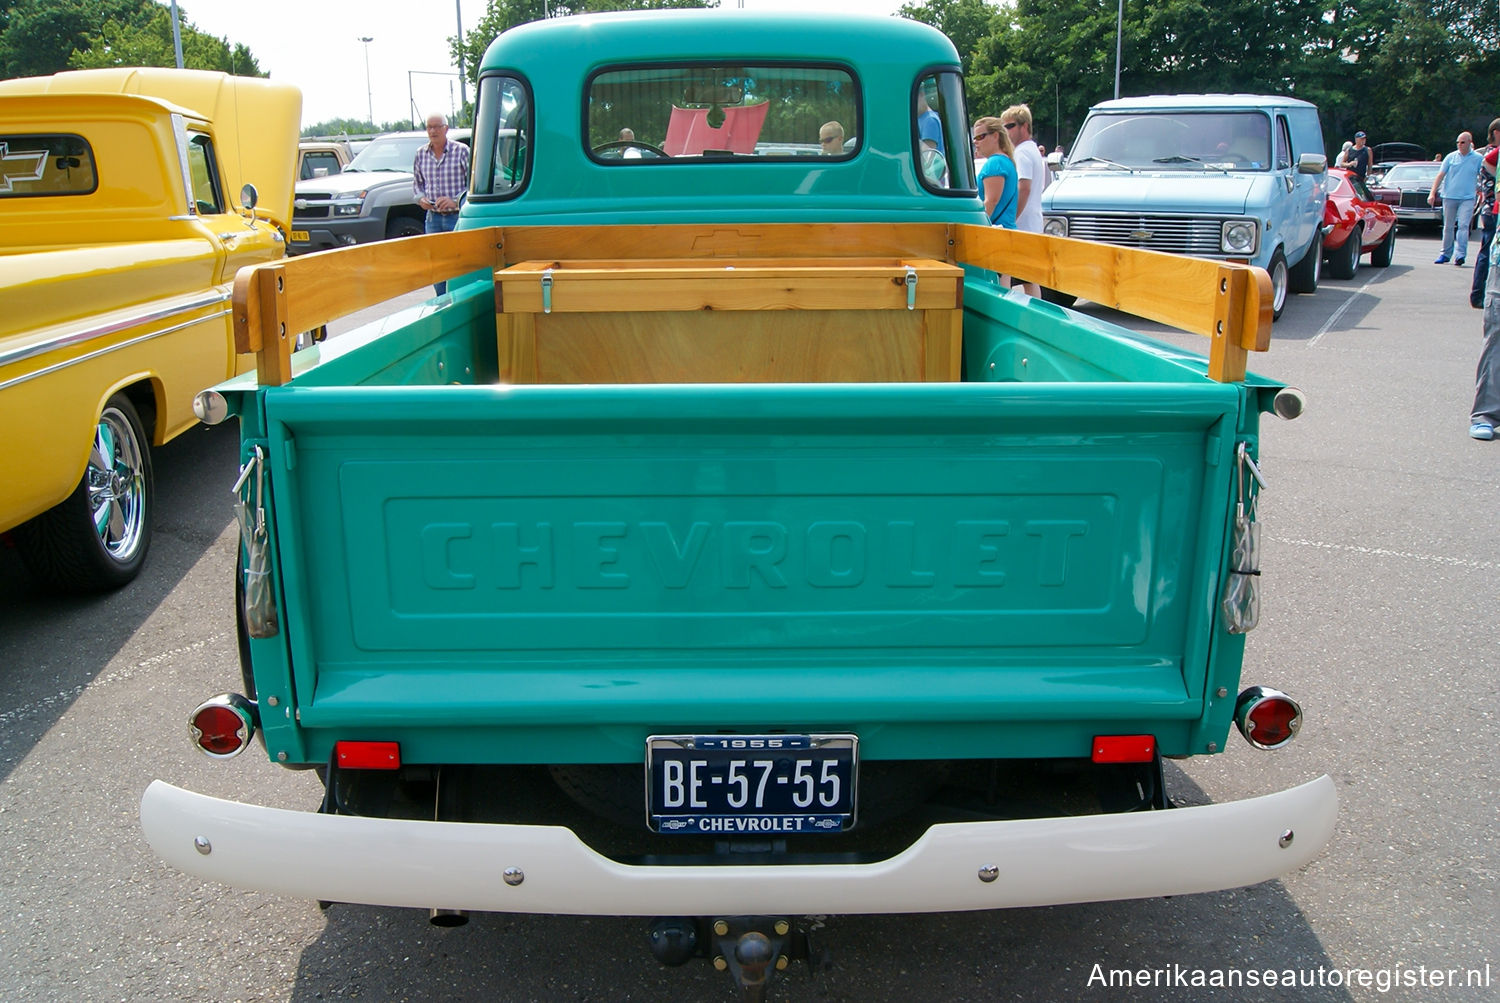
[(116, 485), (97, 537)]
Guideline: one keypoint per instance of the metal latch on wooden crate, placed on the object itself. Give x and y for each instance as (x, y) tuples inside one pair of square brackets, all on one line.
[(546, 290), (911, 288)]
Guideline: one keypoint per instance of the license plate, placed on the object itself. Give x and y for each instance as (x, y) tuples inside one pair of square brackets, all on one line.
[(747, 785), (300, 236)]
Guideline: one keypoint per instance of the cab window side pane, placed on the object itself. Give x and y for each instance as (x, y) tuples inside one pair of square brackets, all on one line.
[(203, 169), (943, 151), (501, 167)]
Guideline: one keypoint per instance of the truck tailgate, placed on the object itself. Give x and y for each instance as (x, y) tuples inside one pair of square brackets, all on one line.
[(654, 557)]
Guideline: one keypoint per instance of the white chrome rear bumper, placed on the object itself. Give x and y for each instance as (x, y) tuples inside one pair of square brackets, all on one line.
[(452, 865)]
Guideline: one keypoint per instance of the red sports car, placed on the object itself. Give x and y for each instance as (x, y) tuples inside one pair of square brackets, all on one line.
[(1354, 223)]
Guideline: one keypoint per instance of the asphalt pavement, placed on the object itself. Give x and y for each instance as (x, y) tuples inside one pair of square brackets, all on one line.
[(1380, 556)]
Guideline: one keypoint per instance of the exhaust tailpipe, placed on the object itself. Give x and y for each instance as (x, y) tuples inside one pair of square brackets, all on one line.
[(448, 917)]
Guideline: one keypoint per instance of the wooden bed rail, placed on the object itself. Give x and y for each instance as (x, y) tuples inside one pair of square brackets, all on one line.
[(1228, 303), (275, 302)]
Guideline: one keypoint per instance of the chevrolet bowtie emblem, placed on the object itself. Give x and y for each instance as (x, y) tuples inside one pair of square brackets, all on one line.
[(1140, 234), (23, 166)]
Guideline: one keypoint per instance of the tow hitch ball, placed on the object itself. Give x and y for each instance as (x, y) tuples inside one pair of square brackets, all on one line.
[(750, 948)]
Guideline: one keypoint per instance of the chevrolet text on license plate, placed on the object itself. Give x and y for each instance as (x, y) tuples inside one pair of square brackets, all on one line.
[(750, 784)]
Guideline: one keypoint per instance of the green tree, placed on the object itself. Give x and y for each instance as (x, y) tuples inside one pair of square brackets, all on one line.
[(965, 22), (1413, 70), (46, 36), (41, 35), (124, 44), (501, 15), (1056, 57), (353, 127)]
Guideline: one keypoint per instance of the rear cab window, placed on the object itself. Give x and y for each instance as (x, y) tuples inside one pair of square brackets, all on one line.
[(319, 163), (657, 115), (46, 164)]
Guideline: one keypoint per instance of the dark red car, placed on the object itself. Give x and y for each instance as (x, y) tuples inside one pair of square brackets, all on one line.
[(1354, 223)]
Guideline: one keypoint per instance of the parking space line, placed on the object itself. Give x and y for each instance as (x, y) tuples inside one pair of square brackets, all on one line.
[(1454, 562), (1340, 311), (45, 704)]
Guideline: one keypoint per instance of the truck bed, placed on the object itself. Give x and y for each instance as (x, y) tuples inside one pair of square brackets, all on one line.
[(494, 572)]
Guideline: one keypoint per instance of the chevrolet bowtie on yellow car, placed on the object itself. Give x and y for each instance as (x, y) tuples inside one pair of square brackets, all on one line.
[(128, 200)]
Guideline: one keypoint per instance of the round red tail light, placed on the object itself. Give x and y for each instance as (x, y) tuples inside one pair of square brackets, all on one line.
[(223, 726), (1267, 718)]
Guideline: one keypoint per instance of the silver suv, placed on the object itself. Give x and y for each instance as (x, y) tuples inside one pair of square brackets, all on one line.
[(371, 199)]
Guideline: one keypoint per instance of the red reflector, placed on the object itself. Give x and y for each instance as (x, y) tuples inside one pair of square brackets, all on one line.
[(1124, 748), (1273, 722), (369, 755), (220, 731)]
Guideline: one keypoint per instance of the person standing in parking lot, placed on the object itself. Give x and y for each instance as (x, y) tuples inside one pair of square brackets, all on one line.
[(1031, 175), (1359, 157), (1489, 210), (440, 180), (1485, 414), (1456, 181)]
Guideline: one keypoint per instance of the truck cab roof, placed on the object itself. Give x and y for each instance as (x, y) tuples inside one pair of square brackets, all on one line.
[(255, 122), (717, 114), (1201, 102)]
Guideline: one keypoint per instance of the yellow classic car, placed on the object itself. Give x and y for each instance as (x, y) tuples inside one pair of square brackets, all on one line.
[(128, 200)]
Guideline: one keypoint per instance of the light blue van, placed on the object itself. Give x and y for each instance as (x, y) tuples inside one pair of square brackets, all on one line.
[(1232, 176)]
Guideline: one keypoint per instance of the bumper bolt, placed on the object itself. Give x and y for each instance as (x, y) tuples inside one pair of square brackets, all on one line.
[(721, 928), (988, 873), (1286, 839), (513, 876), (782, 926), (202, 845)]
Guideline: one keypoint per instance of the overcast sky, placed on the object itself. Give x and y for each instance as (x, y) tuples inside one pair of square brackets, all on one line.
[(316, 45)]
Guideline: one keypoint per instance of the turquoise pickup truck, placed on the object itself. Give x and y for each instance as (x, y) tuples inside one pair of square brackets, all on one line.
[(730, 544)]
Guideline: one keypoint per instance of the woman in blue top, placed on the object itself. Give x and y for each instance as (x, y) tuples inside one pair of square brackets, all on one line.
[(997, 176)]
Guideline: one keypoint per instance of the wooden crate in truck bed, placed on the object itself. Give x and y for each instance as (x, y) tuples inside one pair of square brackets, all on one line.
[(755, 320)]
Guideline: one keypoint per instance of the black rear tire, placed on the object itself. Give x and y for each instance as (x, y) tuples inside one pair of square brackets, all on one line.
[(1304, 277), (96, 539), (1345, 261), (403, 226), (1279, 283), (1385, 251)]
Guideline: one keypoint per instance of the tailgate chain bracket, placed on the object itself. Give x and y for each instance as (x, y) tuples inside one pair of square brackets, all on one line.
[(1242, 591), (250, 511)]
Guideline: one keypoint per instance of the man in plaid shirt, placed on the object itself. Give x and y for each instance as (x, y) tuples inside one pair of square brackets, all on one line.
[(440, 180)]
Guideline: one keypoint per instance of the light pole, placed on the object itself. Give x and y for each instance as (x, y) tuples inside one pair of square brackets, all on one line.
[(370, 95), (463, 81), (176, 36), (1119, 26)]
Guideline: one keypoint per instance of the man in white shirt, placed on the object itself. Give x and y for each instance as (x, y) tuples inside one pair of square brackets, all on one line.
[(1031, 172)]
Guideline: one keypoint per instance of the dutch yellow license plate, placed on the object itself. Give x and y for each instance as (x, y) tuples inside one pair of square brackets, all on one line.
[(300, 235)]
